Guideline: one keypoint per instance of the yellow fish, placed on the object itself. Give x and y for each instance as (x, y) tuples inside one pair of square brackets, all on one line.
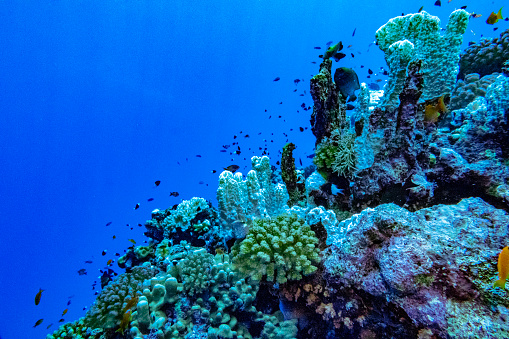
[(38, 296), (493, 18), (432, 111), (503, 268)]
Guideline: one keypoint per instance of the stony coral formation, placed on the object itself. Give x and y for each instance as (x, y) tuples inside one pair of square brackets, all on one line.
[(472, 87), (281, 248), (486, 56), (194, 270), (417, 36), (107, 309)]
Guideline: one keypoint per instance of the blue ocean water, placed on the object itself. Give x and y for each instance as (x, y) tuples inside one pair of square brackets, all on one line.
[(99, 99)]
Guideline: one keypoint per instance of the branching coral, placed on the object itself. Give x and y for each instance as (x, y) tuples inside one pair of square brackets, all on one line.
[(282, 248), (243, 200), (107, 309)]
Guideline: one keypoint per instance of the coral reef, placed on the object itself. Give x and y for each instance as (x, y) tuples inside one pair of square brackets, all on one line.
[(282, 248), (417, 37), (107, 309), (293, 180), (255, 197), (434, 268), (472, 87), (486, 56), (328, 114), (394, 233)]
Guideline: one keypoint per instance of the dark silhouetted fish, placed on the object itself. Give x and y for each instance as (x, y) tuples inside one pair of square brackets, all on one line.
[(354, 31), (438, 3), (277, 79), (347, 81), (137, 206), (174, 194), (232, 168), (38, 296), (108, 223), (82, 271), (157, 182), (150, 199)]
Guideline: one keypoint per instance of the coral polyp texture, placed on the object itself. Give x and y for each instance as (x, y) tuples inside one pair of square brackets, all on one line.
[(417, 36), (281, 248), (395, 231), (243, 200)]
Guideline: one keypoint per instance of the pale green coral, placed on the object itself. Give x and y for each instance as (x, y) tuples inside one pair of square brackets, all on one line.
[(202, 227), (281, 248), (163, 249), (243, 200), (195, 271), (77, 330), (143, 252), (417, 36), (182, 216), (107, 309)]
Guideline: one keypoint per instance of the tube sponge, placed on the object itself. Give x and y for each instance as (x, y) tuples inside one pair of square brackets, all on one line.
[(282, 248)]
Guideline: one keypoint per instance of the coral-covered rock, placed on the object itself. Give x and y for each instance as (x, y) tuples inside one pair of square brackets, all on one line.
[(432, 269)]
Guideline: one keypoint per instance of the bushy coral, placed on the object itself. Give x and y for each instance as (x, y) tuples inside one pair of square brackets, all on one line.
[(77, 330), (281, 248), (181, 218), (107, 309), (166, 311), (194, 271)]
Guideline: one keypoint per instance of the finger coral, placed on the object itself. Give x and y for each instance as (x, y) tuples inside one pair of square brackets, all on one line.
[(281, 248)]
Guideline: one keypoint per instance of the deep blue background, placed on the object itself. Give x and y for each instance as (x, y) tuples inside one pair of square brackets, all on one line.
[(98, 99)]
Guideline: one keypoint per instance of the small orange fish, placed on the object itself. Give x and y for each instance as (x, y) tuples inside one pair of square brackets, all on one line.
[(124, 323), (38, 296), (109, 262), (349, 46), (493, 18), (133, 301), (503, 268), (64, 312), (38, 322), (114, 237), (432, 111), (133, 241)]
